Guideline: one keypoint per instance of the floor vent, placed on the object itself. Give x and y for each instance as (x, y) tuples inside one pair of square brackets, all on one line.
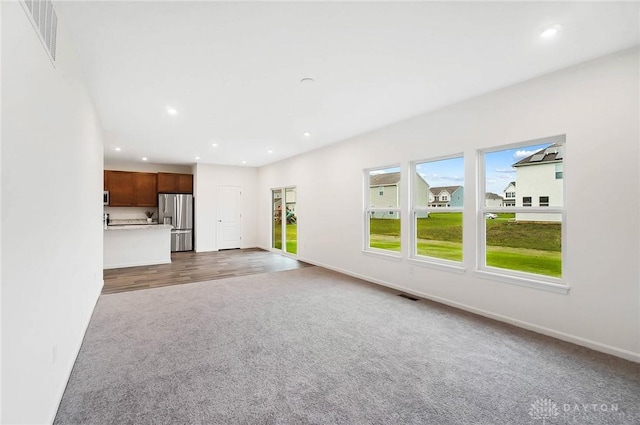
[(44, 19), (409, 297)]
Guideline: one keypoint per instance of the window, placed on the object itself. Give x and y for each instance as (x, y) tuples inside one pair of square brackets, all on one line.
[(437, 225), (382, 212), (524, 243), (510, 195), (558, 171)]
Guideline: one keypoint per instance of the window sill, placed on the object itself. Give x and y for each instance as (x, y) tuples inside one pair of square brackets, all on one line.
[(449, 266), (523, 281), (382, 254)]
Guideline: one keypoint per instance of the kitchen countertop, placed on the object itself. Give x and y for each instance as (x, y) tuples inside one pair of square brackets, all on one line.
[(138, 226)]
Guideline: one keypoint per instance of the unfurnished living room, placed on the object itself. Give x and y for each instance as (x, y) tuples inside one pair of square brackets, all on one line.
[(322, 212)]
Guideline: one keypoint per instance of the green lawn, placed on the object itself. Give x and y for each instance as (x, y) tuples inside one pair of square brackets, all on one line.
[(292, 237), (532, 247)]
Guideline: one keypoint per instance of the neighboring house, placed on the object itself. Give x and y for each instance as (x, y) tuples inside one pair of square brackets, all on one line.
[(446, 196), (510, 195), (539, 178), (492, 200), (384, 190)]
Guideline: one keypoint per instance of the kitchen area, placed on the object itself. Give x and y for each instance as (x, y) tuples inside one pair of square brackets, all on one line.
[(147, 216)]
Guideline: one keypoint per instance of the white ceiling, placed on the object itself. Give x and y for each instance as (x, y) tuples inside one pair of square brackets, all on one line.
[(233, 69)]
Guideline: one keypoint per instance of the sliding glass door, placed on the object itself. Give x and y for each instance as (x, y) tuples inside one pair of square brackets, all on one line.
[(276, 228), (284, 229)]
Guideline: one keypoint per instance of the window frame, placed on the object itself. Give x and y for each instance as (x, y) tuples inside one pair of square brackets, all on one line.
[(414, 210), (368, 210), (532, 280)]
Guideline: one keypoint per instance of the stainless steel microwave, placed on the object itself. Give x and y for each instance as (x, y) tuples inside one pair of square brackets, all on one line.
[(105, 197)]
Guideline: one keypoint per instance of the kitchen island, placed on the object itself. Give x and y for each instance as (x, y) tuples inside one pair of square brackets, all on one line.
[(136, 245)]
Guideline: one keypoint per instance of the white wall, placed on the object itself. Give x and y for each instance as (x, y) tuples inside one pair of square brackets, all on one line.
[(144, 167), (51, 218), (595, 105), (207, 178)]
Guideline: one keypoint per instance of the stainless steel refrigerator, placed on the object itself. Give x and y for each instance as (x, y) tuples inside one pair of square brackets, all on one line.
[(177, 209)]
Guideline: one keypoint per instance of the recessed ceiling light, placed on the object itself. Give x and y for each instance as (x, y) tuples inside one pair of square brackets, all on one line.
[(244, 162), (172, 111), (307, 80), (144, 158), (117, 149), (550, 32), (215, 145), (306, 134), (269, 151), (197, 158)]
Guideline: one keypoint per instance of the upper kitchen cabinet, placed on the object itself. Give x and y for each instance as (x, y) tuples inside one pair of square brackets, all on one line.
[(129, 189), (175, 183), (185, 183), (120, 187), (144, 187)]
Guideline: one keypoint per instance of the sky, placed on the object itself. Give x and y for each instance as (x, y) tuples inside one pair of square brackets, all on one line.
[(498, 166)]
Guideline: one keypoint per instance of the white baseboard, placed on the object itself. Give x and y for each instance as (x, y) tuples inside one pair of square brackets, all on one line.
[(70, 365), (594, 345)]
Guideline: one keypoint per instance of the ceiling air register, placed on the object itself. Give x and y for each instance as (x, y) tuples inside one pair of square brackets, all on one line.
[(44, 19)]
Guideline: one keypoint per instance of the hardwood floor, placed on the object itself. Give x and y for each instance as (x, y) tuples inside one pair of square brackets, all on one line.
[(189, 267)]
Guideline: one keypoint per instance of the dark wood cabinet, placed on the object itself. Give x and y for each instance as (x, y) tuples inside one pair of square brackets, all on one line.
[(144, 188), (175, 183), (130, 189), (167, 183), (185, 183), (120, 187)]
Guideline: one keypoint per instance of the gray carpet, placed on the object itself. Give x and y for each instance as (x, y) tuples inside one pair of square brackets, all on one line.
[(311, 346)]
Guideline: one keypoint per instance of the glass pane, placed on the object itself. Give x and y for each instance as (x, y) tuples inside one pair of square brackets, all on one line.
[(439, 184), (384, 230), (292, 221), (526, 246), (439, 235), (523, 176), (276, 225), (384, 188)]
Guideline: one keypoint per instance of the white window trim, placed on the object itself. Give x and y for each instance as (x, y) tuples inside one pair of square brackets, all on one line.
[(423, 260), (366, 248), (531, 280)]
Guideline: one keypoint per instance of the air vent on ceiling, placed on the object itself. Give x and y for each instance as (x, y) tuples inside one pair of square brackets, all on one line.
[(44, 19)]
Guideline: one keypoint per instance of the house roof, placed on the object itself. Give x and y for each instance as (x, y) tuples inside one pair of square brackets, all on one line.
[(491, 195), (552, 153), (388, 179), (510, 183), (450, 189), (385, 179)]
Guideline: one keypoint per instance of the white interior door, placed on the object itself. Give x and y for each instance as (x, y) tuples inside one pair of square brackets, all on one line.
[(229, 217)]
